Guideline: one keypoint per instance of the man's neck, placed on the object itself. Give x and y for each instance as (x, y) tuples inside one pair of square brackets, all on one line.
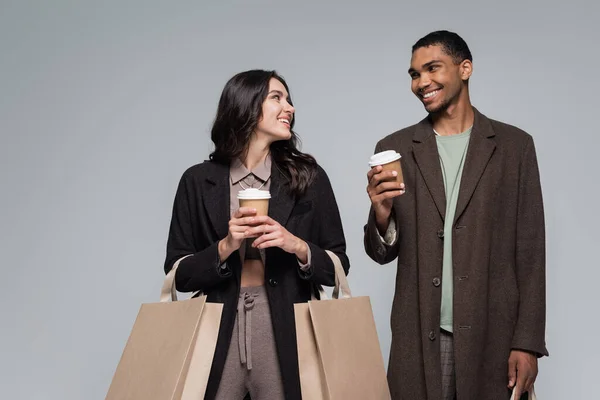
[(454, 120)]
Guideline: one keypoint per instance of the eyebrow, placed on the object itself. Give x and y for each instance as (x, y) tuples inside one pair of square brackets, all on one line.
[(279, 92), (426, 65)]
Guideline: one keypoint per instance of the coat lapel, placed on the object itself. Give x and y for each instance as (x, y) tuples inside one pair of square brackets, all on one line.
[(217, 192), (428, 162), (282, 199), (481, 147), (216, 198)]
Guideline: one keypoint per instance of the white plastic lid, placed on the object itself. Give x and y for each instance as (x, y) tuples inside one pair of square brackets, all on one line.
[(253, 194), (383, 158)]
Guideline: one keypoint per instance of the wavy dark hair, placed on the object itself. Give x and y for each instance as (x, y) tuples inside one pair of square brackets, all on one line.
[(238, 114)]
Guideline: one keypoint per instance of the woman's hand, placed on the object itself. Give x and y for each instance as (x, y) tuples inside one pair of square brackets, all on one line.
[(243, 219), (271, 234)]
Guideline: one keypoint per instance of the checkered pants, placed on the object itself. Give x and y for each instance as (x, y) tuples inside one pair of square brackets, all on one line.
[(447, 364)]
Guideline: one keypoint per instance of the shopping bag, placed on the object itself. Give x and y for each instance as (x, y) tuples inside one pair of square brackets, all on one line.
[(169, 352), (339, 355)]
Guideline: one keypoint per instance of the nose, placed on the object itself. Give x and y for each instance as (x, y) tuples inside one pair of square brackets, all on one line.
[(424, 81), (289, 108)]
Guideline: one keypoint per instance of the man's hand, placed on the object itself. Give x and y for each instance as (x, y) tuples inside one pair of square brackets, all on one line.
[(522, 371), (382, 188)]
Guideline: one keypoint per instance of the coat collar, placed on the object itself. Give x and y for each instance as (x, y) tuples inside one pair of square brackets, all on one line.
[(481, 147), (216, 197)]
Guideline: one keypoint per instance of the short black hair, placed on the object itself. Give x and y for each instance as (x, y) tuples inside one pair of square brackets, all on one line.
[(452, 44)]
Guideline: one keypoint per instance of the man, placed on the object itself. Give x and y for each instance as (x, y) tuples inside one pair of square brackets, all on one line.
[(467, 227)]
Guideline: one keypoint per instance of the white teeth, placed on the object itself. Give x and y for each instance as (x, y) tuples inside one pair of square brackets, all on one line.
[(283, 120), (430, 94)]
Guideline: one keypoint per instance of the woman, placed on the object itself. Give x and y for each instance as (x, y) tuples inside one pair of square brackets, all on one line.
[(257, 266)]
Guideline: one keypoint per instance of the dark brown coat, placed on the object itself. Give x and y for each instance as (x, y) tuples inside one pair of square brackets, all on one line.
[(499, 261)]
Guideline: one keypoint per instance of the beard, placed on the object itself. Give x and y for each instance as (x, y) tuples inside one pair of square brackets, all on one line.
[(439, 108), (442, 106)]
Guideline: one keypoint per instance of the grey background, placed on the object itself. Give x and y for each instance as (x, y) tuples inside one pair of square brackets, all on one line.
[(104, 104)]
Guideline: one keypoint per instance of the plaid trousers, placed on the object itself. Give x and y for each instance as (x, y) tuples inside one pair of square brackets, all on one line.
[(447, 364)]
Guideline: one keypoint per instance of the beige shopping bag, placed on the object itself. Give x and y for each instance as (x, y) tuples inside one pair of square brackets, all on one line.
[(169, 352), (339, 354)]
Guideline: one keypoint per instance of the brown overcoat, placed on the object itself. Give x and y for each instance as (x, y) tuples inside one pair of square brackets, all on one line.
[(498, 259)]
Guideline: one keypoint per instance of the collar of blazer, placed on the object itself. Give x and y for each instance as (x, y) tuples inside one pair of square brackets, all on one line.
[(216, 197), (481, 148)]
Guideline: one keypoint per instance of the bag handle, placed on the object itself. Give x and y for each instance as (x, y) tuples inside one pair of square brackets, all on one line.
[(168, 291), (532, 395), (341, 281)]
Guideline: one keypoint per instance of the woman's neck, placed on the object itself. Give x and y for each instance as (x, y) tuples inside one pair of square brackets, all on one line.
[(256, 154)]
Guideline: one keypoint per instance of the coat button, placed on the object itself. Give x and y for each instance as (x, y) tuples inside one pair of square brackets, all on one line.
[(432, 335), (272, 282), (440, 233), (436, 281)]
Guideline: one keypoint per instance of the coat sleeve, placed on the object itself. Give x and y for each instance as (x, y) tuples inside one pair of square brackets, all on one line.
[(203, 270), (330, 235), (530, 259), (379, 251)]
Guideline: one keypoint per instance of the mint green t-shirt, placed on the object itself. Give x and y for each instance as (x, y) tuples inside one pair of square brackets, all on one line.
[(452, 151)]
